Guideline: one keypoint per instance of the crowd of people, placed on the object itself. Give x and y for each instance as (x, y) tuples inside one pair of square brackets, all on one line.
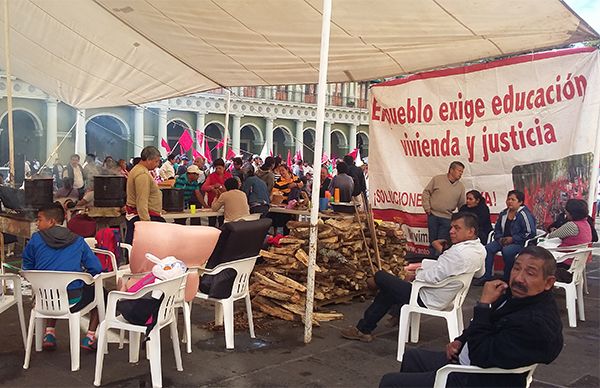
[(515, 322)]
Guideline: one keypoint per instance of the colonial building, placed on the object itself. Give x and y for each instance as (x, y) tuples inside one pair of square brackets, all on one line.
[(283, 117)]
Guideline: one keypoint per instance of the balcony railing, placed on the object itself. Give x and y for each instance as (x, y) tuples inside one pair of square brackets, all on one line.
[(273, 93)]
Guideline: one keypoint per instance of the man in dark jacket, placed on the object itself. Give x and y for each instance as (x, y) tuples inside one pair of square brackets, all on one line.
[(513, 326), (360, 184)]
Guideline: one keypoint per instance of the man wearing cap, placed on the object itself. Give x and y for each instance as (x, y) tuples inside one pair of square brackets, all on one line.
[(185, 162), (188, 182), (200, 162)]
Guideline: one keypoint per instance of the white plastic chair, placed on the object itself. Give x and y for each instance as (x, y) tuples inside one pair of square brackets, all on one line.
[(441, 377), (7, 301), (574, 289), (166, 317), (240, 290), (539, 233), (410, 314), (52, 302)]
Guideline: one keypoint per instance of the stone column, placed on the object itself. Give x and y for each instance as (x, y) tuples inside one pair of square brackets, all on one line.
[(138, 131), (80, 134), (51, 128), (327, 139), (236, 133), (200, 117), (269, 134), (352, 140), (299, 136), (162, 127)]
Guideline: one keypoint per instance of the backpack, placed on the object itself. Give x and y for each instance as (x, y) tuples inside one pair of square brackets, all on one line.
[(109, 240)]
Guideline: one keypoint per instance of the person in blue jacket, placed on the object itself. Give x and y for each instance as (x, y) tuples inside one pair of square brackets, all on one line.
[(515, 225), (55, 248)]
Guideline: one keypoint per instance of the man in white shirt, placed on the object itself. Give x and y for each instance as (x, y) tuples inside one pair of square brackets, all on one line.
[(167, 171), (466, 255)]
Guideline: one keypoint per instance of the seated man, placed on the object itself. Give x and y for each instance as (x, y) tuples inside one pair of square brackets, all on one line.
[(233, 201), (513, 326), (466, 255), (55, 248), (188, 182)]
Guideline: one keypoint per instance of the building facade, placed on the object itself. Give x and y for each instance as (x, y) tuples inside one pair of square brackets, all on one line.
[(283, 117)]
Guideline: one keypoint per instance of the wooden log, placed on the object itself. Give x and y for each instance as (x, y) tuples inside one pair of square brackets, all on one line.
[(262, 279), (303, 258), (273, 294), (326, 317), (292, 240), (270, 308), (289, 282), (272, 256), (286, 250)]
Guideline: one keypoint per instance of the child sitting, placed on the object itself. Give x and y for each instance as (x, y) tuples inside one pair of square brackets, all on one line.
[(55, 248)]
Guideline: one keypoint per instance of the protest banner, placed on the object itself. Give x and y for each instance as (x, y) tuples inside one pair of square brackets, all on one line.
[(529, 122)]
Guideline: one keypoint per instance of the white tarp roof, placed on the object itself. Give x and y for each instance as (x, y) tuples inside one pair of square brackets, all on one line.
[(116, 52)]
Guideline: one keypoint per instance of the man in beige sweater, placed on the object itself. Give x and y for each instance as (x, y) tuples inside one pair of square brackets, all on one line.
[(234, 201), (144, 199), (442, 195)]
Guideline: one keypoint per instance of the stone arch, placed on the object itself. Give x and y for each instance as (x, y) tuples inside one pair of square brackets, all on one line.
[(251, 139), (362, 143), (308, 144), (28, 141), (283, 140), (213, 134), (339, 143), (106, 134)]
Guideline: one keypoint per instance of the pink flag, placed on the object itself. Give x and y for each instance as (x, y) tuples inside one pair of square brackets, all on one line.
[(219, 145), (289, 158), (165, 145), (207, 154), (298, 155), (230, 154), (195, 153), (185, 140), (324, 158)]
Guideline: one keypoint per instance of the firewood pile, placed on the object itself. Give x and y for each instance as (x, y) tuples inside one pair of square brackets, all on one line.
[(278, 286)]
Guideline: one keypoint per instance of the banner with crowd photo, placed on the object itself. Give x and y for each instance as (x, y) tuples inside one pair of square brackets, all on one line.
[(529, 123)]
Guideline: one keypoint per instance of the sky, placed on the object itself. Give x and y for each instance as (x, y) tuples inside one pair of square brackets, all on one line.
[(588, 10)]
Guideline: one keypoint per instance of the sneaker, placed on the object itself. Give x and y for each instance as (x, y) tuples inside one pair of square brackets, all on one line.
[(88, 343), (353, 333), (49, 342)]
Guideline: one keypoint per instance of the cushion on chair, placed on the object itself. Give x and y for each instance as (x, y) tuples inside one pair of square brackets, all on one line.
[(238, 240), (190, 244)]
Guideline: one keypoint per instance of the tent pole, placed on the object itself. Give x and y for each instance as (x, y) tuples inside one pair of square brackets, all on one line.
[(227, 104), (9, 108), (314, 210)]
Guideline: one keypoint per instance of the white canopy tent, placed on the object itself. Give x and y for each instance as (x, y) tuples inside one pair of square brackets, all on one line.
[(98, 53)]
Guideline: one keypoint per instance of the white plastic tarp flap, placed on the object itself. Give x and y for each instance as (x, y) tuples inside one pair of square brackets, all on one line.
[(116, 52)]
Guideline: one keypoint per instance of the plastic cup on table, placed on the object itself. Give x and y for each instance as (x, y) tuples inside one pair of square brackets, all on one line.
[(192, 209)]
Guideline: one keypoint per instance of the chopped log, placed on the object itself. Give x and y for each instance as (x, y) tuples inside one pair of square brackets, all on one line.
[(325, 317), (292, 240), (289, 282), (272, 256), (273, 294), (286, 250), (262, 279), (303, 258), (329, 240), (270, 308)]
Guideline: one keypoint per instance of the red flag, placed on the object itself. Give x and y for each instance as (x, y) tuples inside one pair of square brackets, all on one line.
[(230, 154), (195, 153), (354, 153), (289, 158), (219, 145), (185, 141), (298, 155), (165, 145), (207, 154)]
